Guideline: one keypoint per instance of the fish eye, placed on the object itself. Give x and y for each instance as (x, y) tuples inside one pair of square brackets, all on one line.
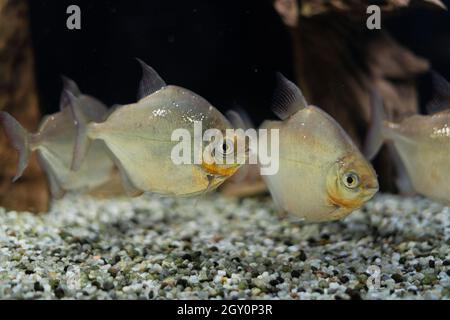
[(227, 147), (351, 180)]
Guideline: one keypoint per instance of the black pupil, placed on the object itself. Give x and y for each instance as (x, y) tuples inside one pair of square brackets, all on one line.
[(350, 180), (225, 147)]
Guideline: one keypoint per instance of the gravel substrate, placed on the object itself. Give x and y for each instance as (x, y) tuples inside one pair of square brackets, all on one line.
[(150, 248)]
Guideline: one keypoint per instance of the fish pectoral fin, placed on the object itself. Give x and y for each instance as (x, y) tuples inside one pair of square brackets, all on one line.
[(287, 99), (151, 81), (211, 179), (208, 188)]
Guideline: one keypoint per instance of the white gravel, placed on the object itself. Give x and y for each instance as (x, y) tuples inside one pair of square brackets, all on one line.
[(152, 248)]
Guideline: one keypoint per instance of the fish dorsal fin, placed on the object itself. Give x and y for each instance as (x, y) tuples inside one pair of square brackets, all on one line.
[(93, 108), (70, 86), (235, 119), (287, 99), (115, 107), (441, 94), (240, 119), (150, 82)]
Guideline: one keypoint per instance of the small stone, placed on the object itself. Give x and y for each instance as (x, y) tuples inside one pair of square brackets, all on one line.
[(186, 256), (274, 283), (302, 256), (243, 285), (108, 285), (285, 268), (38, 286), (182, 282), (353, 294), (59, 292), (296, 273), (397, 277), (113, 271), (429, 279)]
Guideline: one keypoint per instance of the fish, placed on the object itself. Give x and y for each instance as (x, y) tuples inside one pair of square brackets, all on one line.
[(322, 175), (54, 143), (422, 142), (247, 180), (139, 138)]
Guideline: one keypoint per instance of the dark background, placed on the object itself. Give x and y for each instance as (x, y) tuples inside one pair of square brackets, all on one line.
[(226, 51)]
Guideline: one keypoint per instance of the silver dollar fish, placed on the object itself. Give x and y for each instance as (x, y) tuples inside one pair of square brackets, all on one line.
[(139, 135), (322, 174), (54, 142), (421, 141)]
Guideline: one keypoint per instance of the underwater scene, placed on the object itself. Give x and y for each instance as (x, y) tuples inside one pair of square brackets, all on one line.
[(225, 150)]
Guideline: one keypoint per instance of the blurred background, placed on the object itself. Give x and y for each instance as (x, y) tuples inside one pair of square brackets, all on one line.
[(226, 51)]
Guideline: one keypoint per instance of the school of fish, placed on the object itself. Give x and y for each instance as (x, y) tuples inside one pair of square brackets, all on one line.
[(322, 174)]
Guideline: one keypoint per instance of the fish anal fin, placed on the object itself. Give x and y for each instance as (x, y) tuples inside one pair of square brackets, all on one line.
[(56, 190), (150, 82), (127, 184), (287, 98)]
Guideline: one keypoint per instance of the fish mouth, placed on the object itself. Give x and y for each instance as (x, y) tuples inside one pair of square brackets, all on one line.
[(370, 185)]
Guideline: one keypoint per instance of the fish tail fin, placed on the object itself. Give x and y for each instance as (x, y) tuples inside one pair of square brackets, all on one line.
[(82, 140), (375, 138), (19, 138)]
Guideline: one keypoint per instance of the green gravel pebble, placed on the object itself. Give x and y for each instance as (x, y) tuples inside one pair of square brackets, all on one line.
[(219, 248)]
